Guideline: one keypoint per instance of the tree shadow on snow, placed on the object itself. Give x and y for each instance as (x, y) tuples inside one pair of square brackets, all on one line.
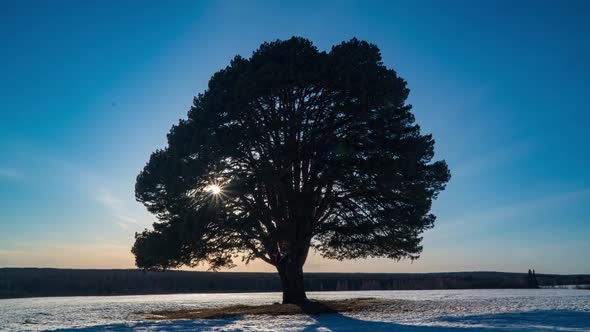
[(541, 320), (174, 325)]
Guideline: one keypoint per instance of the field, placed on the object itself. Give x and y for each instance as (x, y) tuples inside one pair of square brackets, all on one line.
[(437, 310)]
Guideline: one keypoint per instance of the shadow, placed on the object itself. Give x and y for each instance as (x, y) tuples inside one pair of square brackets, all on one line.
[(540, 320), (340, 322), (545, 320), (313, 307), (174, 325), (563, 319), (517, 322)]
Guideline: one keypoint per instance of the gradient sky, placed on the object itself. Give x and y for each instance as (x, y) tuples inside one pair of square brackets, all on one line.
[(88, 89)]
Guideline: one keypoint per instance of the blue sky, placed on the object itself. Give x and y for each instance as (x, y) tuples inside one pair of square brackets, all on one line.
[(89, 89)]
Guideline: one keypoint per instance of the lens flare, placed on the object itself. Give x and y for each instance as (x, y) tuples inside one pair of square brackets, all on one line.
[(214, 189)]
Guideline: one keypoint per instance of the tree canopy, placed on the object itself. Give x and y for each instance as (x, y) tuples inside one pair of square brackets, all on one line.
[(291, 149)]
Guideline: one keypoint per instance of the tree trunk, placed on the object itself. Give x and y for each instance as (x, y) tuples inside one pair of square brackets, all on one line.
[(291, 274)]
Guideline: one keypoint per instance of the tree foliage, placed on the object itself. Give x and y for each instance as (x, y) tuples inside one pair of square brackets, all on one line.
[(310, 148)]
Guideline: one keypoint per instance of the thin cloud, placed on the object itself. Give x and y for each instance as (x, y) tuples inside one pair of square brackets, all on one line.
[(106, 198), (118, 208), (9, 173), (491, 160), (128, 220), (126, 213)]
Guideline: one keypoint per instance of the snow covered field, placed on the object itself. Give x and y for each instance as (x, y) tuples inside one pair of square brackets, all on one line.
[(441, 310)]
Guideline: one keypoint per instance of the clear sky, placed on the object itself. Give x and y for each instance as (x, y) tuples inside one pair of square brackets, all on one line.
[(88, 89)]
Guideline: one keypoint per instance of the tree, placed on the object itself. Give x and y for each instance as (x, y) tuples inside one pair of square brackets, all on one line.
[(289, 150)]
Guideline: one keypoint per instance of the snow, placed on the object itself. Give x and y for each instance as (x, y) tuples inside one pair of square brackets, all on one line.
[(441, 310)]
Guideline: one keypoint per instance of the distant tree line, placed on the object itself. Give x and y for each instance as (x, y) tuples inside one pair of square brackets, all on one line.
[(32, 282), (532, 279)]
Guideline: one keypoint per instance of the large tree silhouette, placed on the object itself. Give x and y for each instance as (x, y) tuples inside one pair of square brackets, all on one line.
[(289, 150)]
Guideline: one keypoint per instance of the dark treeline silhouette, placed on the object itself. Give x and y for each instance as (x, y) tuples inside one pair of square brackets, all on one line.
[(34, 282), (532, 279)]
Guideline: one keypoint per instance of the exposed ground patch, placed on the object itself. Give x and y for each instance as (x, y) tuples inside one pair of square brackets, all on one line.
[(310, 308)]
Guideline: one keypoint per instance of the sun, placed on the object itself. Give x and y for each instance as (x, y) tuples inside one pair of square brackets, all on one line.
[(213, 189)]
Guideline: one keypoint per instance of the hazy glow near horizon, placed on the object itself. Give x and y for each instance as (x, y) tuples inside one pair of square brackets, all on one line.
[(502, 87)]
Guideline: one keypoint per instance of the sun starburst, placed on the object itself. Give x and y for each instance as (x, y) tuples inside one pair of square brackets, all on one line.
[(213, 189)]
